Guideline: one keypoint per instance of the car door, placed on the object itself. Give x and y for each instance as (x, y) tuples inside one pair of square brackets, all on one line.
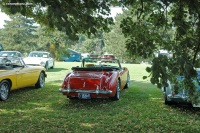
[(25, 76)]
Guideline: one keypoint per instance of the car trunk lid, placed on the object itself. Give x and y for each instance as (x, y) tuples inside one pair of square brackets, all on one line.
[(85, 80)]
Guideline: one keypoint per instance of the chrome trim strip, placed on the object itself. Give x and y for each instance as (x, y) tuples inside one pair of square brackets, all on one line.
[(170, 96), (86, 91)]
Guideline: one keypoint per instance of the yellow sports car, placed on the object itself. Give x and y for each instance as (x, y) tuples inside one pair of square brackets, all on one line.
[(15, 75)]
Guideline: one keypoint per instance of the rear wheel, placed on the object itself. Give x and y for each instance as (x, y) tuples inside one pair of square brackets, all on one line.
[(167, 102), (47, 66), (4, 90), (52, 66), (128, 81), (72, 98), (41, 81), (117, 94)]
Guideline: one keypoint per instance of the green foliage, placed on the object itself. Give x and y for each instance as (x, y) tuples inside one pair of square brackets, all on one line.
[(92, 45), (19, 34), (59, 39), (115, 40), (61, 52), (71, 16), (24, 35), (170, 25)]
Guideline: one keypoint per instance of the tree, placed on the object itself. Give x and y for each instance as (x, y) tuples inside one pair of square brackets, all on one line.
[(71, 16), (115, 42), (92, 45), (19, 34), (151, 30), (57, 40), (24, 35)]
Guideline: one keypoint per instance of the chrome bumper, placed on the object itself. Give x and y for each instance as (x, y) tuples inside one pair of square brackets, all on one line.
[(183, 97), (97, 91)]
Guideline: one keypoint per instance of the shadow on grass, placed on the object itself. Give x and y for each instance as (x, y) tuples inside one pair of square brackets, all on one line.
[(185, 107), (138, 95), (128, 96)]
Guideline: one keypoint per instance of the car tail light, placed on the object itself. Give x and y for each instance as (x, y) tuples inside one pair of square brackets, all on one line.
[(173, 93)]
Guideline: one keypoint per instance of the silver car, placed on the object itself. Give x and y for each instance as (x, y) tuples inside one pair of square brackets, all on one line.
[(181, 95), (12, 56)]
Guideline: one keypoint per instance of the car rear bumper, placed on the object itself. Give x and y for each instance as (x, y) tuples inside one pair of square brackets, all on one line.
[(184, 97), (97, 91)]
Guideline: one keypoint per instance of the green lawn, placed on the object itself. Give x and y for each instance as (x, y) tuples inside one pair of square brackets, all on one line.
[(140, 109)]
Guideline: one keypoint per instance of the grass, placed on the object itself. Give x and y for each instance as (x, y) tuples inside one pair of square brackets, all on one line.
[(140, 109)]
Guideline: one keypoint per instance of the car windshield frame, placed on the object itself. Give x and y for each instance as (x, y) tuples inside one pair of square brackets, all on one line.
[(39, 54), (8, 54), (7, 63), (98, 64)]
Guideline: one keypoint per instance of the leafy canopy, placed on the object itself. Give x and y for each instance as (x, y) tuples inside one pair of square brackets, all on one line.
[(173, 25), (71, 16)]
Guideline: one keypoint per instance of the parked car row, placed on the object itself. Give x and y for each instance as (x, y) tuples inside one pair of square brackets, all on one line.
[(94, 78), (35, 58), (16, 74), (90, 80), (17, 71)]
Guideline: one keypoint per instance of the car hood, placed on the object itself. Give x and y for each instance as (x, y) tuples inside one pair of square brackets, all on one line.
[(34, 60)]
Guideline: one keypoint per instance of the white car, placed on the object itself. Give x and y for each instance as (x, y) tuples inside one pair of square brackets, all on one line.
[(42, 58)]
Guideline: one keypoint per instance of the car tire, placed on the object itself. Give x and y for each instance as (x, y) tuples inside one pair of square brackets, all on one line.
[(72, 98), (117, 94), (4, 90), (166, 101), (41, 81), (46, 66), (127, 82), (52, 66)]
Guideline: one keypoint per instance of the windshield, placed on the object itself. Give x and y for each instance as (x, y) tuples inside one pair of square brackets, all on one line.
[(38, 54), (7, 54), (98, 64), (6, 63)]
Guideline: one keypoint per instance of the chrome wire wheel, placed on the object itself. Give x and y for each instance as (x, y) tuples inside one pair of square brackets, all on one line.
[(128, 81), (42, 80), (118, 90), (4, 90), (47, 66)]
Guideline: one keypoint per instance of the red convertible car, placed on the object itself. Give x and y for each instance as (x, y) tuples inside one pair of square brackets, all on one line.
[(96, 79)]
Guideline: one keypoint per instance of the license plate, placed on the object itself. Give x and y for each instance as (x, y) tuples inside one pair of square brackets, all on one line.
[(84, 96)]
